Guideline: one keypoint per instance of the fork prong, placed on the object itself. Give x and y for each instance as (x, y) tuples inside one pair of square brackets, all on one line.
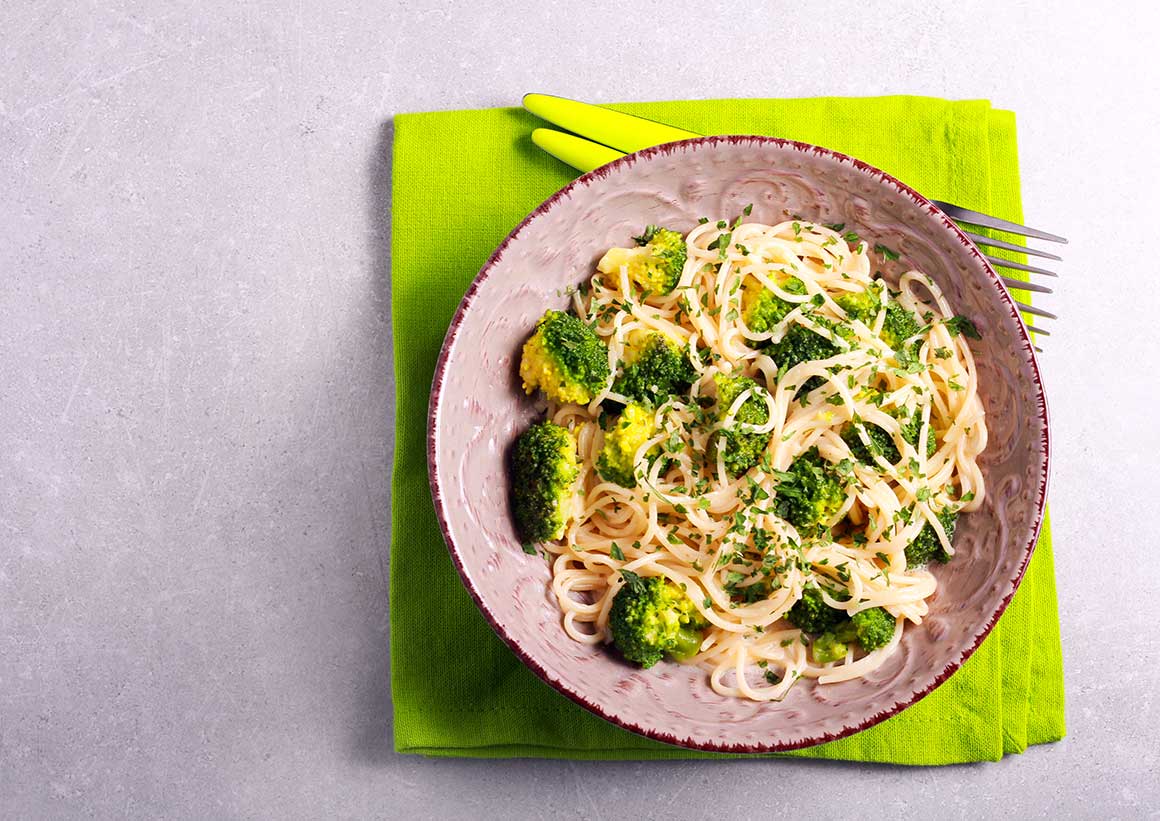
[(979, 239), (987, 221), (1039, 331), (1037, 348), (1019, 266), (1020, 285), (1031, 309)]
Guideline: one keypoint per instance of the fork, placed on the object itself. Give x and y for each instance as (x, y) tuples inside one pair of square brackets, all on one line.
[(610, 133)]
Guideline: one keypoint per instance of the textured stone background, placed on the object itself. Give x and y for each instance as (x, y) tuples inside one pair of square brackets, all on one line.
[(196, 390)]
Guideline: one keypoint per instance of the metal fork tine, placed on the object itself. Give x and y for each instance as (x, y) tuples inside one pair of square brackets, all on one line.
[(1019, 266), (979, 239), (1039, 331), (1031, 309), (1020, 285), (1037, 348), (987, 221)]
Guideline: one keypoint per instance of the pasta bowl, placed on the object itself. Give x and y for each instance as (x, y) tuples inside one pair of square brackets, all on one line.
[(478, 409)]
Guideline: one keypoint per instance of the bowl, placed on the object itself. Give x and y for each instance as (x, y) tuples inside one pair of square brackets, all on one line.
[(478, 409)]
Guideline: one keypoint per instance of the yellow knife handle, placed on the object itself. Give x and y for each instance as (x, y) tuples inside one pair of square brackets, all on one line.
[(581, 154), (623, 132)]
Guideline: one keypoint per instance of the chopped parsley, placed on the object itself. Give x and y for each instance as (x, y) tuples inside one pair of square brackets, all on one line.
[(962, 325)]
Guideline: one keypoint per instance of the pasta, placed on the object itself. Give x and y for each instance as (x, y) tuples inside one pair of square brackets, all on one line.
[(896, 423)]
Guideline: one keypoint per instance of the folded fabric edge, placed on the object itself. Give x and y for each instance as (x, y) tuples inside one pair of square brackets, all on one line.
[(619, 105), (518, 751)]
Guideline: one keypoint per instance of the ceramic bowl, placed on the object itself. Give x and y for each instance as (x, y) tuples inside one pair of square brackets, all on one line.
[(478, 408)]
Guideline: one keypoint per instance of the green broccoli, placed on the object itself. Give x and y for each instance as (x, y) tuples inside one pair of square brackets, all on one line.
[(565, 359), (544, 470), (810, 493), (899, 325), (926, 545), (863, 305), (651, 617), (743, 449), (811, 613), (655, 264), (871, 628), (800, 344), (632, 429), (882, 443), (912, 429), (655, 369), (762, 309), (827, 648)]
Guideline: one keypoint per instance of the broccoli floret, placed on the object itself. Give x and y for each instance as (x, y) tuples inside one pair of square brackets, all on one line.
[(811, 614), (688, 642), (652, 617), (544, 470), (882, 443), (631, 430), (810, 493), (655, 369), (873, 628), (827, 648), (655, 264), (864, 305), (565, 359), (800, 344), (762, 309), (926, 545), (743, 449), (899, 325)]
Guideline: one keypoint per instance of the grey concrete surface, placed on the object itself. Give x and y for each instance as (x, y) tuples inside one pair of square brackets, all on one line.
[(196, 389)]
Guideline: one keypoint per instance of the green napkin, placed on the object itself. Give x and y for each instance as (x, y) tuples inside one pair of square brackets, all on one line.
[(462, 180)]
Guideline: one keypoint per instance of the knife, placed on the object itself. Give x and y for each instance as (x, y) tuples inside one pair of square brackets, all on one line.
[(624, 132), (581, 154)]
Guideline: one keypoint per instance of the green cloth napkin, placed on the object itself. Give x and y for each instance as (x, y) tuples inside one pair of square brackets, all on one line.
[(462, 180)]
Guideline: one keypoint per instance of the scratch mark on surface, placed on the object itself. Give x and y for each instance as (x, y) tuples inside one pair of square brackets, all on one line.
[(76, 384), (64, 155), (201, 490), (375, 529), (45, 103), (580, 779), (133, 69), (166, 355), (19, 36), (684, 783), (145, 29), (95, 84), (298, 24)]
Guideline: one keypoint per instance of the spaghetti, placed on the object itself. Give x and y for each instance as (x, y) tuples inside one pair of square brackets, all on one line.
[(898, 420)]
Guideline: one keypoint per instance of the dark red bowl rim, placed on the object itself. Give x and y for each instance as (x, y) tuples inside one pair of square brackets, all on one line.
[(562, 686)]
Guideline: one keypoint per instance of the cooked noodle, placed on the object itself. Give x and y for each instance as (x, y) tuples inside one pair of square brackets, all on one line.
[(689, 521)]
